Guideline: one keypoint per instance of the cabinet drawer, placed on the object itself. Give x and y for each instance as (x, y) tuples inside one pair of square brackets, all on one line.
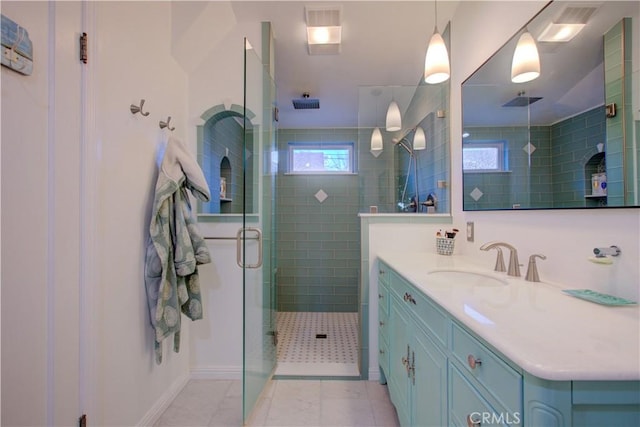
[(466, 405), (383, 325), (383, 297), (383, 272), (400, 287), (383, 356), (431, 318), (500, 380)]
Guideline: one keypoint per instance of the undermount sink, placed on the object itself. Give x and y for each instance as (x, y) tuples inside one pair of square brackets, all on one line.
[(466, 278)]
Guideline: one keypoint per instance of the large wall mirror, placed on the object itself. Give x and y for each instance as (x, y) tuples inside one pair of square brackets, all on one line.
[(568, 138)]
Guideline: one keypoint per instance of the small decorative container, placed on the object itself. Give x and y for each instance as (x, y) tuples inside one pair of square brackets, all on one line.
[(444, 245), (223, 187)]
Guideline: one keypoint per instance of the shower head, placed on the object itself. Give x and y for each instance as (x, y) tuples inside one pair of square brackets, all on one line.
[(522, 101), (306, 103)]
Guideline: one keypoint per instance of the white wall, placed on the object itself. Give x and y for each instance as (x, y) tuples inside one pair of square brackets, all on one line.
[(132, 61), (566, 237)]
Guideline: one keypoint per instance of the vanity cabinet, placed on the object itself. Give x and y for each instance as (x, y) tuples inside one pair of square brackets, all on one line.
[(440, 373), (417, 365)]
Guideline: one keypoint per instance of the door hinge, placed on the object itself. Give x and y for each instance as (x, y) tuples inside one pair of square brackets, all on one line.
[(82, 421), (83, 48)]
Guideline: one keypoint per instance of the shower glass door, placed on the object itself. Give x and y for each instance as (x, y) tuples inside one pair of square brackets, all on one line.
[(258, 232)]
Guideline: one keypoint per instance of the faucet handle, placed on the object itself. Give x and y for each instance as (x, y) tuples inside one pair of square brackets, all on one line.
[(532, 269), (499, 261)]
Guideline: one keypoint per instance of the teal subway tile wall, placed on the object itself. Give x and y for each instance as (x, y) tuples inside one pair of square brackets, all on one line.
[(536, 178), (576, 157), (622, 149), (318, 241)]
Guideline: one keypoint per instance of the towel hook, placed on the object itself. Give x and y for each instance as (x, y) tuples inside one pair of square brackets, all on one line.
[(166, 124), (138, 109)]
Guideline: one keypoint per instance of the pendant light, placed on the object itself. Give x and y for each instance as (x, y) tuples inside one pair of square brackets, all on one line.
[(526, 62), (436, 62), (376, 135), (376, 140), (419, 140), (394, 120)]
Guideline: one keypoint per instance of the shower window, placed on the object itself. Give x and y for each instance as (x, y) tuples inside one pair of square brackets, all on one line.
[(485, 156), (321, 158)]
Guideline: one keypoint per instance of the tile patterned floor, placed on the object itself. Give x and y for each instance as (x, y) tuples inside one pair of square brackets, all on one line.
[(300, 352), (322, 403)]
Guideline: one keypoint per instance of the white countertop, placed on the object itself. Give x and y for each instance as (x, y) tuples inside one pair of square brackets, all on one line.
[(547, 333)]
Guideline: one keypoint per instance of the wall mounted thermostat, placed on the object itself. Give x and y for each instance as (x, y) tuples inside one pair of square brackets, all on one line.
[(17, 50)]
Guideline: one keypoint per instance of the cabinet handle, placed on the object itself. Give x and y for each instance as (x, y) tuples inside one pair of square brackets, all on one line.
[(381, 323), (381, 272), (381, 351), (409, 298), (471, 422), (380, 296), (413, 367), (473, 362)]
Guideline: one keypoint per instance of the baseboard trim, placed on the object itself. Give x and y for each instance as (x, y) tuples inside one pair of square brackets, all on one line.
[(217, 373), (155, 412), (374, 374)]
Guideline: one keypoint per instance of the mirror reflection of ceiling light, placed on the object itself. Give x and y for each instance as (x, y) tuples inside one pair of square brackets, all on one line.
[(419, 139), (560, 32), (376, 140), (394, 119)]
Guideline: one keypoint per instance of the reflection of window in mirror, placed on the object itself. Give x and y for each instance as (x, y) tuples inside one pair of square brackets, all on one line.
[(485, 156)]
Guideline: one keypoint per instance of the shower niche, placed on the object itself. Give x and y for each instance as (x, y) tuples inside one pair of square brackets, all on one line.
[(223, 147)]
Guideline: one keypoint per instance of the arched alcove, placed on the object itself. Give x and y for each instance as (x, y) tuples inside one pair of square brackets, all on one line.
[(221, 151), (595, 169)]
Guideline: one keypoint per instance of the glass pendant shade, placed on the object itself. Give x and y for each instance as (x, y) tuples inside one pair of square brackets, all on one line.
[(436, 62), (526, 62), (394, 120), (376, 140), (419, 140)]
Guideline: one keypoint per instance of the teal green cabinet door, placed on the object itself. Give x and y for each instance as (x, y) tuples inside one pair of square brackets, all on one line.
[(429, 379), (397, 379)]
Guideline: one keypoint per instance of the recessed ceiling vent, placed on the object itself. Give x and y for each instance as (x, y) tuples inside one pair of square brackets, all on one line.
[(522, 101), (306, 103), (323, 16), (575, 15)]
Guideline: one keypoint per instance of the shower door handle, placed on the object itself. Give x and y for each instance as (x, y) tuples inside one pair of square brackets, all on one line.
[(240, 236)]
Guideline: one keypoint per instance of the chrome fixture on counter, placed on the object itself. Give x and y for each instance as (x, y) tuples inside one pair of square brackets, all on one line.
[(603, 252), (532, 269), (514, 266)]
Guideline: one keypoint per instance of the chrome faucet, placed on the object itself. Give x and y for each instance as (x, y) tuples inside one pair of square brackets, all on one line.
[(532, 269), (514, 266)]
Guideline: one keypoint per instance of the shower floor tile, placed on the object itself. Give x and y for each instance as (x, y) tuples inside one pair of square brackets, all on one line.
[(301, 352)]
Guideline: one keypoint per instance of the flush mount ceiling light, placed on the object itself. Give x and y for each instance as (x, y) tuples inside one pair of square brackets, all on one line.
[(419, 140), (526, 61), (560, 32), (324, 32), (436, 62)]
